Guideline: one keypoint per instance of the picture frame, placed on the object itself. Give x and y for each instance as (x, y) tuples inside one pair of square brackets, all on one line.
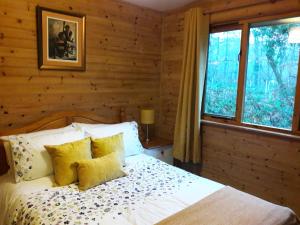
[(61, 38)]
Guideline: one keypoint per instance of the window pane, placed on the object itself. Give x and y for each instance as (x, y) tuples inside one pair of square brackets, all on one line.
[(222, 73), (271, 76)]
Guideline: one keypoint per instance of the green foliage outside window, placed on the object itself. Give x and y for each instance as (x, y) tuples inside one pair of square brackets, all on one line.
[(270, 85), (222, 73), (271, 77)]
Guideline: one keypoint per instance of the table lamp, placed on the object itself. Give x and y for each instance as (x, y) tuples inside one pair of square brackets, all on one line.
[(294, 35), (147, 118)]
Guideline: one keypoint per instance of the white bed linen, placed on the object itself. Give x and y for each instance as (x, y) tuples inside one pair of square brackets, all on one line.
[(170, 196), (10, 191)]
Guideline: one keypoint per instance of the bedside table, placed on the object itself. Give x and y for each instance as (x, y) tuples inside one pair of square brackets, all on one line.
[(159, 148)]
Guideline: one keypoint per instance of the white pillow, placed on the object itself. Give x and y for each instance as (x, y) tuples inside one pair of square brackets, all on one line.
[(7, 146), (132, 144), (43, 132), (30, 160), (86, 126)]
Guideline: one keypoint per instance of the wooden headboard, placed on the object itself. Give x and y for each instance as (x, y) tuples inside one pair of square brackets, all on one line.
[(56, 120)]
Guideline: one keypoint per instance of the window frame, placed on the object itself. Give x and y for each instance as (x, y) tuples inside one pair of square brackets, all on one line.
[(217, 29), (245, 26)]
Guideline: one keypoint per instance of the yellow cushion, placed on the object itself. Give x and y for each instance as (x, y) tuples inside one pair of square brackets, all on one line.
[(99, 170), (107, 145), (64, 158)]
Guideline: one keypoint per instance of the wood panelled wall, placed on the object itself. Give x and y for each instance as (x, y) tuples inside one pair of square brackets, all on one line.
[(171, 61), (123, 62), (266, 166)]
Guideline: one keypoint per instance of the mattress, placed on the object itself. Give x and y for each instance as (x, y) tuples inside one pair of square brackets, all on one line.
[(151, 192)]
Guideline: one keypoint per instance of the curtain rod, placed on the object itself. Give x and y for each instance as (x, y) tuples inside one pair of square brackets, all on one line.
[(254, 19), (223, 9)]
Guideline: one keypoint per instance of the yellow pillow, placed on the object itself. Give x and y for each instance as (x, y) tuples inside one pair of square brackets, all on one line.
[(64, 158), (107, 145), (99, 170)]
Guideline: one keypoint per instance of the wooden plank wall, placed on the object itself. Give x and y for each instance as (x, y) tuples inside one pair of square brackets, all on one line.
[(171, 61), (266, 166), (123, 62)]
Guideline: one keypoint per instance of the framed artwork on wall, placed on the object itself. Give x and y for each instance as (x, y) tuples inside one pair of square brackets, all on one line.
[(61, 40)]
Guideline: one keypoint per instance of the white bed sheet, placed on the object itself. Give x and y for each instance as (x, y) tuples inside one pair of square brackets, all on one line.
[(145, 208), (10, 191)]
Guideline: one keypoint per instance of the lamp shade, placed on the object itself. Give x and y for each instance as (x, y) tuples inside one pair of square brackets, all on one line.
[(147, 116), (294, 35)]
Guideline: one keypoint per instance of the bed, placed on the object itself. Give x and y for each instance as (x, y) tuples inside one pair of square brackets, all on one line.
[(152, 192)]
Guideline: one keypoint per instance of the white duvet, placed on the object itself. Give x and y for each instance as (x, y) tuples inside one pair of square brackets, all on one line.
[(152, 191)]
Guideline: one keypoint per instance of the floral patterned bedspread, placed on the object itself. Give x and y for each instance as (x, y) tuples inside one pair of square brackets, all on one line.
[(148, 179)]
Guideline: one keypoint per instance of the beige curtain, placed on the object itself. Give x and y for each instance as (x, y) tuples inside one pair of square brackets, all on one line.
[(187, 128)]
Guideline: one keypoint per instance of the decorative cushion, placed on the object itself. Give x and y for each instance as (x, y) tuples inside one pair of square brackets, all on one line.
[(107, 145), (132, 144), (29, 158), (99, 170), (64, 158)]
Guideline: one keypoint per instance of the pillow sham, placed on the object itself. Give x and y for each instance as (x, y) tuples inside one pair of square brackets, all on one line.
[(29, 158), (89, 125), (132, 144), (43, 132), (64, 158), (99, 170), (107, 145)]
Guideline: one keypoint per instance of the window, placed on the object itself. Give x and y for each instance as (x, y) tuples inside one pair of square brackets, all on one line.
[(222, 73), (260, 89), (271, 76)]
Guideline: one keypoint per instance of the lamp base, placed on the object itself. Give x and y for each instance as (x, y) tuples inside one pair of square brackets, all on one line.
[(147, 137)]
